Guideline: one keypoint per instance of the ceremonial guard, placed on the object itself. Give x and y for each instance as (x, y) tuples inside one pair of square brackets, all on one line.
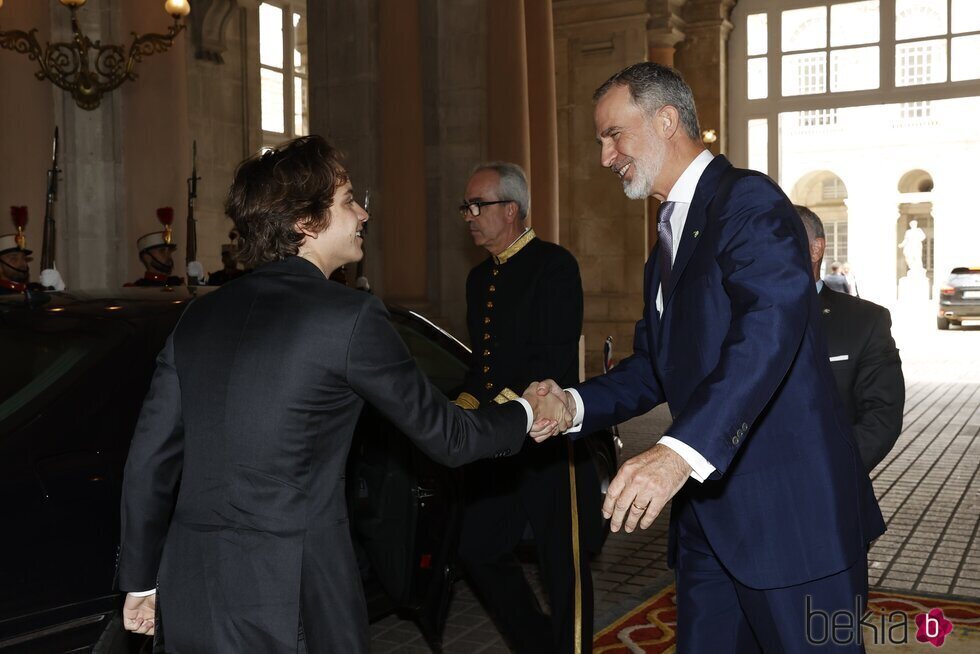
[(14, 268), (524, 315), (156, 252)]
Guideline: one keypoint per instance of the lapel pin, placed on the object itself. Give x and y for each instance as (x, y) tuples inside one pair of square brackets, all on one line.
[(697, 233), (826, 311)]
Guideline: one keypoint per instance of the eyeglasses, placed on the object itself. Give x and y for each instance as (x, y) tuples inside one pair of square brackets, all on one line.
[(473, 208)]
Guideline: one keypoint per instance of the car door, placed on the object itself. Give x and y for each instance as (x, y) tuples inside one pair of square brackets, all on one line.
[(405, 509), (64, 432)]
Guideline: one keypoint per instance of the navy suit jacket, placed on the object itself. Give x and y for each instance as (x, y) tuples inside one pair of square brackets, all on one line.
[(740, 359)]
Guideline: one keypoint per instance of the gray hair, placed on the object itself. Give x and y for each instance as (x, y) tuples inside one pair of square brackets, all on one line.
[(811, 222), (512, 185), (653, 86)]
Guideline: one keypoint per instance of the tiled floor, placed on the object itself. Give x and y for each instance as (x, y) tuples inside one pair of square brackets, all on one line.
[(928, 488)]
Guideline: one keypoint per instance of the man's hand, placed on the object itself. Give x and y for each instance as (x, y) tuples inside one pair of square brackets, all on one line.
[(549, 413), (550, 387), (139, 613), (643, 486)]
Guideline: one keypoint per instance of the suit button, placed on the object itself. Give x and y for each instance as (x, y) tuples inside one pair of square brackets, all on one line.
[(486, 353), (486, 336), (486, 369), (489, 386), (495, 272), (506, 451), (735, 439), (745, 427), (492, 288), (486, 320), (490, 304)]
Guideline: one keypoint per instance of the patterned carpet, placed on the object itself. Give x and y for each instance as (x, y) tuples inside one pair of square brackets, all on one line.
[(896, 619)]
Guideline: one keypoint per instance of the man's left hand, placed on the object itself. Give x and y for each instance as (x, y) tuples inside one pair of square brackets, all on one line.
[(643, 487), (139, 613)]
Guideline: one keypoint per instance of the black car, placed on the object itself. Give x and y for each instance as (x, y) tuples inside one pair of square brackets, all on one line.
[(74, 373), (959, 298)]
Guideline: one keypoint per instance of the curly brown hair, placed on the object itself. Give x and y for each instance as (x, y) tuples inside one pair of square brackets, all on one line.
[(279, 189)]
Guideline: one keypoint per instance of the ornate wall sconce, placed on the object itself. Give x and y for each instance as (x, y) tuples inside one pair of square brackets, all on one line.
[(68, 65)]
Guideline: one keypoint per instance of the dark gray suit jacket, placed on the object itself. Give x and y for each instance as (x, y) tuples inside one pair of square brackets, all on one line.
[(250, 415), (867, 370)]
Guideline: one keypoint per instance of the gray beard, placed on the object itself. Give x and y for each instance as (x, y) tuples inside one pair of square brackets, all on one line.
[(645, 173)]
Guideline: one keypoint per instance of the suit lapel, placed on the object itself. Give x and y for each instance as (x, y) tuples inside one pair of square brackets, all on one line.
[(697, 216)]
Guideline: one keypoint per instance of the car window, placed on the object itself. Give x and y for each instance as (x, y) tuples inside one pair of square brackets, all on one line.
[(966, 279), (37, 360), (440, 365)]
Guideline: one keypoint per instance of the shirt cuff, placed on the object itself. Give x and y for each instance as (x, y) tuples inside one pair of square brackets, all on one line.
[(530, 413), (700, 468), (579, 411), (142, 593)]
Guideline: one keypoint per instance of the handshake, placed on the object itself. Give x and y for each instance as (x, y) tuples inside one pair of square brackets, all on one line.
[(553, 407)]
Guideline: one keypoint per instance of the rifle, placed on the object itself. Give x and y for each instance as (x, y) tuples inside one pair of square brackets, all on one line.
[(47, 247), (191, 221)]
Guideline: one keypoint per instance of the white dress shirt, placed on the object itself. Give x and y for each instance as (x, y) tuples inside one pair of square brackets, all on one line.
[(681, 194)]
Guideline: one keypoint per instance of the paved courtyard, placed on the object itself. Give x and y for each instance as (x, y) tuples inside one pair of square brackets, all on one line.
[(928, 488)]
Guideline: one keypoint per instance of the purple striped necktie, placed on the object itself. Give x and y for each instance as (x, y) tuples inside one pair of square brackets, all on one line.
[(666, 241)]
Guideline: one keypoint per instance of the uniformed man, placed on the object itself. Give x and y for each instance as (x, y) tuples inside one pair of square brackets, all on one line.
[(157, 255), (15, 269), (230, 269), (524, 315)]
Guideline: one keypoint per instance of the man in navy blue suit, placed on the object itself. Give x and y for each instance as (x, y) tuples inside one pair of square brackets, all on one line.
[(772, 511)]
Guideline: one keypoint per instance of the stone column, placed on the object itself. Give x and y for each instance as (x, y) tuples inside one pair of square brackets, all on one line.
[(543, 119), (91, 245), (508, 122), (664, 32), (403, 184), (602, 228), (344, 105), (702, 60)]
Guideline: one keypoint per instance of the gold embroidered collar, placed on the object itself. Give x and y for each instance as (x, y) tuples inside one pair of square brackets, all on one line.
[(515, 247)]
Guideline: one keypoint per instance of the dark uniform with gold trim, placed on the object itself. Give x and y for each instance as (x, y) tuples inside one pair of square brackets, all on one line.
[(524, 314)]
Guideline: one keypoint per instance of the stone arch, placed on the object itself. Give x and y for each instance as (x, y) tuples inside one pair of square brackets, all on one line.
[(915, 181), (209, 21), (825, 192)]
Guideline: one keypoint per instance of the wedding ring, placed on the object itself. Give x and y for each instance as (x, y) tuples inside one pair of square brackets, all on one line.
[(638, 507)]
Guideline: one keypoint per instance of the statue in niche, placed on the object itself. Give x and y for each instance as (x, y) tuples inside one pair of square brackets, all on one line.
[(911, 247)]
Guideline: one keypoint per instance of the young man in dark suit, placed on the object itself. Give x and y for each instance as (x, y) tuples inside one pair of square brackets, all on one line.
[(250, 415), (772, 511), (866, 364)]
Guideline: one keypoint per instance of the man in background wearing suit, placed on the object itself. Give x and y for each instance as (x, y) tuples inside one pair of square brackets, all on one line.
[(866, 364), (836, 279), (772, 511), (524, 314), (250, 415)]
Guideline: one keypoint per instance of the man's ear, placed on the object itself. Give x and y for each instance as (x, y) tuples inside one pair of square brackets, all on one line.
[(511, 213), (303, 227), (817, 247), (668, 120)]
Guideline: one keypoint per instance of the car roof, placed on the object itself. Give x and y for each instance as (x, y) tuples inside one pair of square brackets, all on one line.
[(106, 304)]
